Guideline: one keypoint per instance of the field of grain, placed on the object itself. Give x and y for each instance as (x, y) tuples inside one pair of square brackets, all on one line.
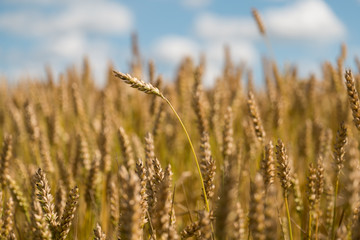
[(175, 160)]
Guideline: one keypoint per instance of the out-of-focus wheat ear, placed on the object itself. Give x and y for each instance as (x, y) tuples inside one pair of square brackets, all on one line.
[(268, 165), (353, 97), (92, 182), (228, 135), (155, 101), (64, 171), (329, 194), (105, 140), (161, 219), (311, 196), (44, 150), (256, 211), (126, 149), (138, 84), (18, 196), (295, 187), (152, 71), (54, 128), (98, 233), (271, 213), (224, 213), (239, 224), (255, 116), (339, 148), (113, 202), (8, 218), (6, 154), (60, 198), (69, 213), (46, 200), (130, 205), (82, 155), (259, 21), (149, 153), (141, 172), (207, 165), (159, 117), (31, 122), (197, 102), (77, 101), (283, 167)]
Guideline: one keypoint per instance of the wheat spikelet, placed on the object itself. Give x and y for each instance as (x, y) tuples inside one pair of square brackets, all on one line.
[(142, 174), (283, 167), (46, 200), (339, 151), (254, 113), (268, 165), (69, 213), (353, 97), (8, 218), (207, 164), (98, 233), (40, 227), (138, 84), (228, 134)]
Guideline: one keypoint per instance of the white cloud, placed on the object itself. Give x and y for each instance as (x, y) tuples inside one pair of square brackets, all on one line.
[(64, 32), (211, 26), (195, 3), (170, 50), (173, 48), (309, 20), (103, 17)]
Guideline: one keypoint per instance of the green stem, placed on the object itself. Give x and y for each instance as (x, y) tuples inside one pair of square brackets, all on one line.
[(288, 218), (334, 209), (193, 150)]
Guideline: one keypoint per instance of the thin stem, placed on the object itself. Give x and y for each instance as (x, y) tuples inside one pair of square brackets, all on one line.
[(334, 209), (192, 149), (288, 218), (309, 227)]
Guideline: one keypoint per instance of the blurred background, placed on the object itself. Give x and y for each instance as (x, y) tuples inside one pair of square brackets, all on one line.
[(39, 33)]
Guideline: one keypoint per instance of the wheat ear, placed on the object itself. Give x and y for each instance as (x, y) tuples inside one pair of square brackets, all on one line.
[(150, 89)]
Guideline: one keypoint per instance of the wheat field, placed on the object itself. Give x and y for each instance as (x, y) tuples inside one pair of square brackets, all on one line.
[(162, 159)]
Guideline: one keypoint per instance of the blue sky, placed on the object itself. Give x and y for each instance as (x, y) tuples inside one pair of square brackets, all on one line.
[(35, 33)]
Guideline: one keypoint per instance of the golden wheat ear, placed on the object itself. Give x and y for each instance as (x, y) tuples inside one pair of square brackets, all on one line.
[(138, 84)]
